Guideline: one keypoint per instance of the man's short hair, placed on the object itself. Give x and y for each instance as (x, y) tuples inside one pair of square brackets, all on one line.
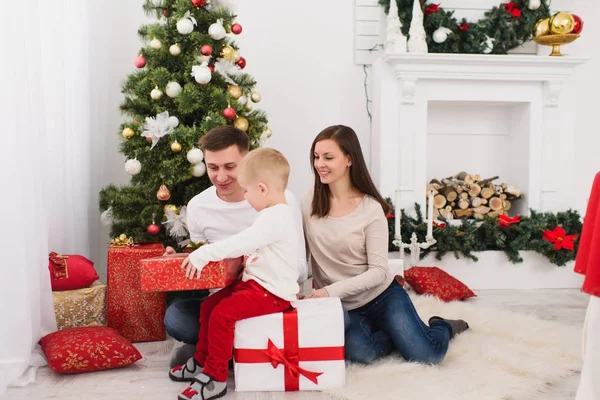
[(266, 164), (225, 136)]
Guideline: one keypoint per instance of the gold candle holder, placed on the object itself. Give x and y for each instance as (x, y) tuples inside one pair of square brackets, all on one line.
[(555, 41)]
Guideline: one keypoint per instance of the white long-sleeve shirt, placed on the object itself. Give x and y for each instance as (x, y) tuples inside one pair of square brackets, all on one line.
[(211, 219), (271, 244)]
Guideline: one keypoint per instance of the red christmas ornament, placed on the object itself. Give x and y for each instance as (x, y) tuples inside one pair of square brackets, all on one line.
[(198, 3), (206, 50), (153, 229), (139, 62), (512, 9), (578, 25), (236, 29), (212, 68), (229, 113), (241, 62)]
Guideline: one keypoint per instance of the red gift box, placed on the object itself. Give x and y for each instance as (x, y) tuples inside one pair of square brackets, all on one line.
[(164, 274), (136, 315)]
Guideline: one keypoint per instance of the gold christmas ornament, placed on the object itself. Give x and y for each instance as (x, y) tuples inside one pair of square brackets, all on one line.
[(561, 23), (248, 106), (235, 91), (128, 133), (255, 96), (171, 207), (228, 53), (241, 123), (268, 132), (176, 146), (123, 237), (542, 27)]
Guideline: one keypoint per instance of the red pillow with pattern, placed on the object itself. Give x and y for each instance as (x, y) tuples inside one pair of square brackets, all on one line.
[(436, 282), (87, 349), (70, 272)]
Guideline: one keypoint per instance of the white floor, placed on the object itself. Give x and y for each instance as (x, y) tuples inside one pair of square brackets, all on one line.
[(148, 380)]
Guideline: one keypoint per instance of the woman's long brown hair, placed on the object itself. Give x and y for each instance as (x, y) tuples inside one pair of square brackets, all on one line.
[(360, 178)]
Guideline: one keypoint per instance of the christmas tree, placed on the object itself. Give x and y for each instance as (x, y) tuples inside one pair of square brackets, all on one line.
[(187, 80)]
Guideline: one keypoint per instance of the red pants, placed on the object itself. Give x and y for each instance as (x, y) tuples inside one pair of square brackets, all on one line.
[(218, 315)]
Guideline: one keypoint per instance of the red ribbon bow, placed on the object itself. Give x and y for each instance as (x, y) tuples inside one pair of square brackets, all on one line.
[(559, 238), (505, 220), (433, 8), (512, 9), (58, 265), (463, 27), (291, 363)]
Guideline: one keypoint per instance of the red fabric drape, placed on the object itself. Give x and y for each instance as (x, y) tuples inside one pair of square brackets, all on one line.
[(588, 254)]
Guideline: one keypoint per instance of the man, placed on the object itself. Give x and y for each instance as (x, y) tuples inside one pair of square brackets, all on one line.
[(213, 215)]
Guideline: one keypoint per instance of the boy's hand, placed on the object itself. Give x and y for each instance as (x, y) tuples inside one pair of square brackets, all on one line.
[(190, 270)]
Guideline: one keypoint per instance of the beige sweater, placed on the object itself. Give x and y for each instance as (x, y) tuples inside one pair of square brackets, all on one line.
[(349, 255)]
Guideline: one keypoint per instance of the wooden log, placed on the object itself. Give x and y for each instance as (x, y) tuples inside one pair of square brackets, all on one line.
[(463, 213), (439, 201), (469, 180), (502, 196), (494, 213), (506, 204), (435, 182), (488, 180), (482, 210), (461, 175), (477, 216), (476, 201), (475, 190), (448, 192), (463, 204), (513, 190), (464, 195), (436, 213), (447, 214), (487, 192), (476, 177), (484, 201), (448, 208), (495, 203)]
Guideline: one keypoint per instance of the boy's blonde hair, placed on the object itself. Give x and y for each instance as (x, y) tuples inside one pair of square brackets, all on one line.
[(266, 165)]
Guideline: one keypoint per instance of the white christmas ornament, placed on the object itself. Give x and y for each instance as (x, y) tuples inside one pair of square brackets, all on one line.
[(199, 169), (173, 121), (395, 41), (534, 4), (176, 223), (216, 30), (242, 100), (107, 217), (226, 69), (441, 34), (156, 93), (487, 45), (195, 156), (133, 167), (158, 127), (201, 73), (185, 25), (155, 44), (173, 89), (175, 50), (416, 33)]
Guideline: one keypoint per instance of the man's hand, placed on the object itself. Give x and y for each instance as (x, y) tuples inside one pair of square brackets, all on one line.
[(317, 293), (190, 270), (169, 250)]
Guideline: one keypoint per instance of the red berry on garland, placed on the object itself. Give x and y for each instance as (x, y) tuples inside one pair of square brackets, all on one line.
[(165, 12), (236, 29), (206, 50), (198, 3), (229, 113), (241, 62), (577, 25), (212, 68), (139, 62), (153, 229)]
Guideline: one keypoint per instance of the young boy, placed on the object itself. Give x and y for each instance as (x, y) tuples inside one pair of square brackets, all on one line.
[(269, 281)]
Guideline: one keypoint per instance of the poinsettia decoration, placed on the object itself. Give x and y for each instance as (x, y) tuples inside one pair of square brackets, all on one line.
[(513, 9), (463, 27), (430, 9), (559, 238), (505, 221), (440, 224)]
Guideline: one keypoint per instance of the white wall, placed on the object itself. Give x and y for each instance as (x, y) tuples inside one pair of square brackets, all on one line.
[(302, 55)]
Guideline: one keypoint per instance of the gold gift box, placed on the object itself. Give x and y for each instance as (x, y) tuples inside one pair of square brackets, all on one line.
[(82, 307)]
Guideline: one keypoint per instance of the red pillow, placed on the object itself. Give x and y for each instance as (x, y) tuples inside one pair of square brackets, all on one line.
[(87, 349), (435, 282), (70, 272)]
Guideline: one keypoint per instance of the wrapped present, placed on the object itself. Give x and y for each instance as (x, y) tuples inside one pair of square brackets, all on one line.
[(164, 274), (136, 315), (300, 349), (82, 307)]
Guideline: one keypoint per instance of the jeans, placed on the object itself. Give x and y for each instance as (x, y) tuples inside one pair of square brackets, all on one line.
[(390, 322), (182, 320)]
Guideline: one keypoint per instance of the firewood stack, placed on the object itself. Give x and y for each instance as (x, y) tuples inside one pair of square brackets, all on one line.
[(469, 196)]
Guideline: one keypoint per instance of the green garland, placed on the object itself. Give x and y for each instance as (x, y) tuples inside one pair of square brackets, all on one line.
[(510, 25), (487, 235)]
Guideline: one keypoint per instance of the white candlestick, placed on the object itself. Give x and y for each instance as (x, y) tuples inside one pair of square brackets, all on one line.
[(430, 215), (398, 215)]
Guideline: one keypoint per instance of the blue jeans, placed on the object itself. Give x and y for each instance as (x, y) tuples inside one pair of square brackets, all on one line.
[(390, 322), (182, 320)]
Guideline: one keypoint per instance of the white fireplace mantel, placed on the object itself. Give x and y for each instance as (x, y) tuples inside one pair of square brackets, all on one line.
[(405, 86)]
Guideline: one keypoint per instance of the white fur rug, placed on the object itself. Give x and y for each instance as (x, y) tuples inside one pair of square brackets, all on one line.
[(503, 356)]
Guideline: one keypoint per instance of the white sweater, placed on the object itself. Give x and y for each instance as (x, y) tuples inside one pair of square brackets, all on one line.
[(271, 247), (211, 219)]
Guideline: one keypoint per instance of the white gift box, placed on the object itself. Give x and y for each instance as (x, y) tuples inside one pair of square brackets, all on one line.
[(301, 349)]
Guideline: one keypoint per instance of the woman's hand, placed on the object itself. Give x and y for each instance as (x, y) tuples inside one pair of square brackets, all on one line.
[(317, 293)]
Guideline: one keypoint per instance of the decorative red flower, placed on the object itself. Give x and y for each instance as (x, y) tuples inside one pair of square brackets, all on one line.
[(505, 220), (463, 27), (512, 9), (440, 225), (433, 8), (559, 238)]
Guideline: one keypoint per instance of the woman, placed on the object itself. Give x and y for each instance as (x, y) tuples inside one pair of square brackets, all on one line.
[(347, 236)]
